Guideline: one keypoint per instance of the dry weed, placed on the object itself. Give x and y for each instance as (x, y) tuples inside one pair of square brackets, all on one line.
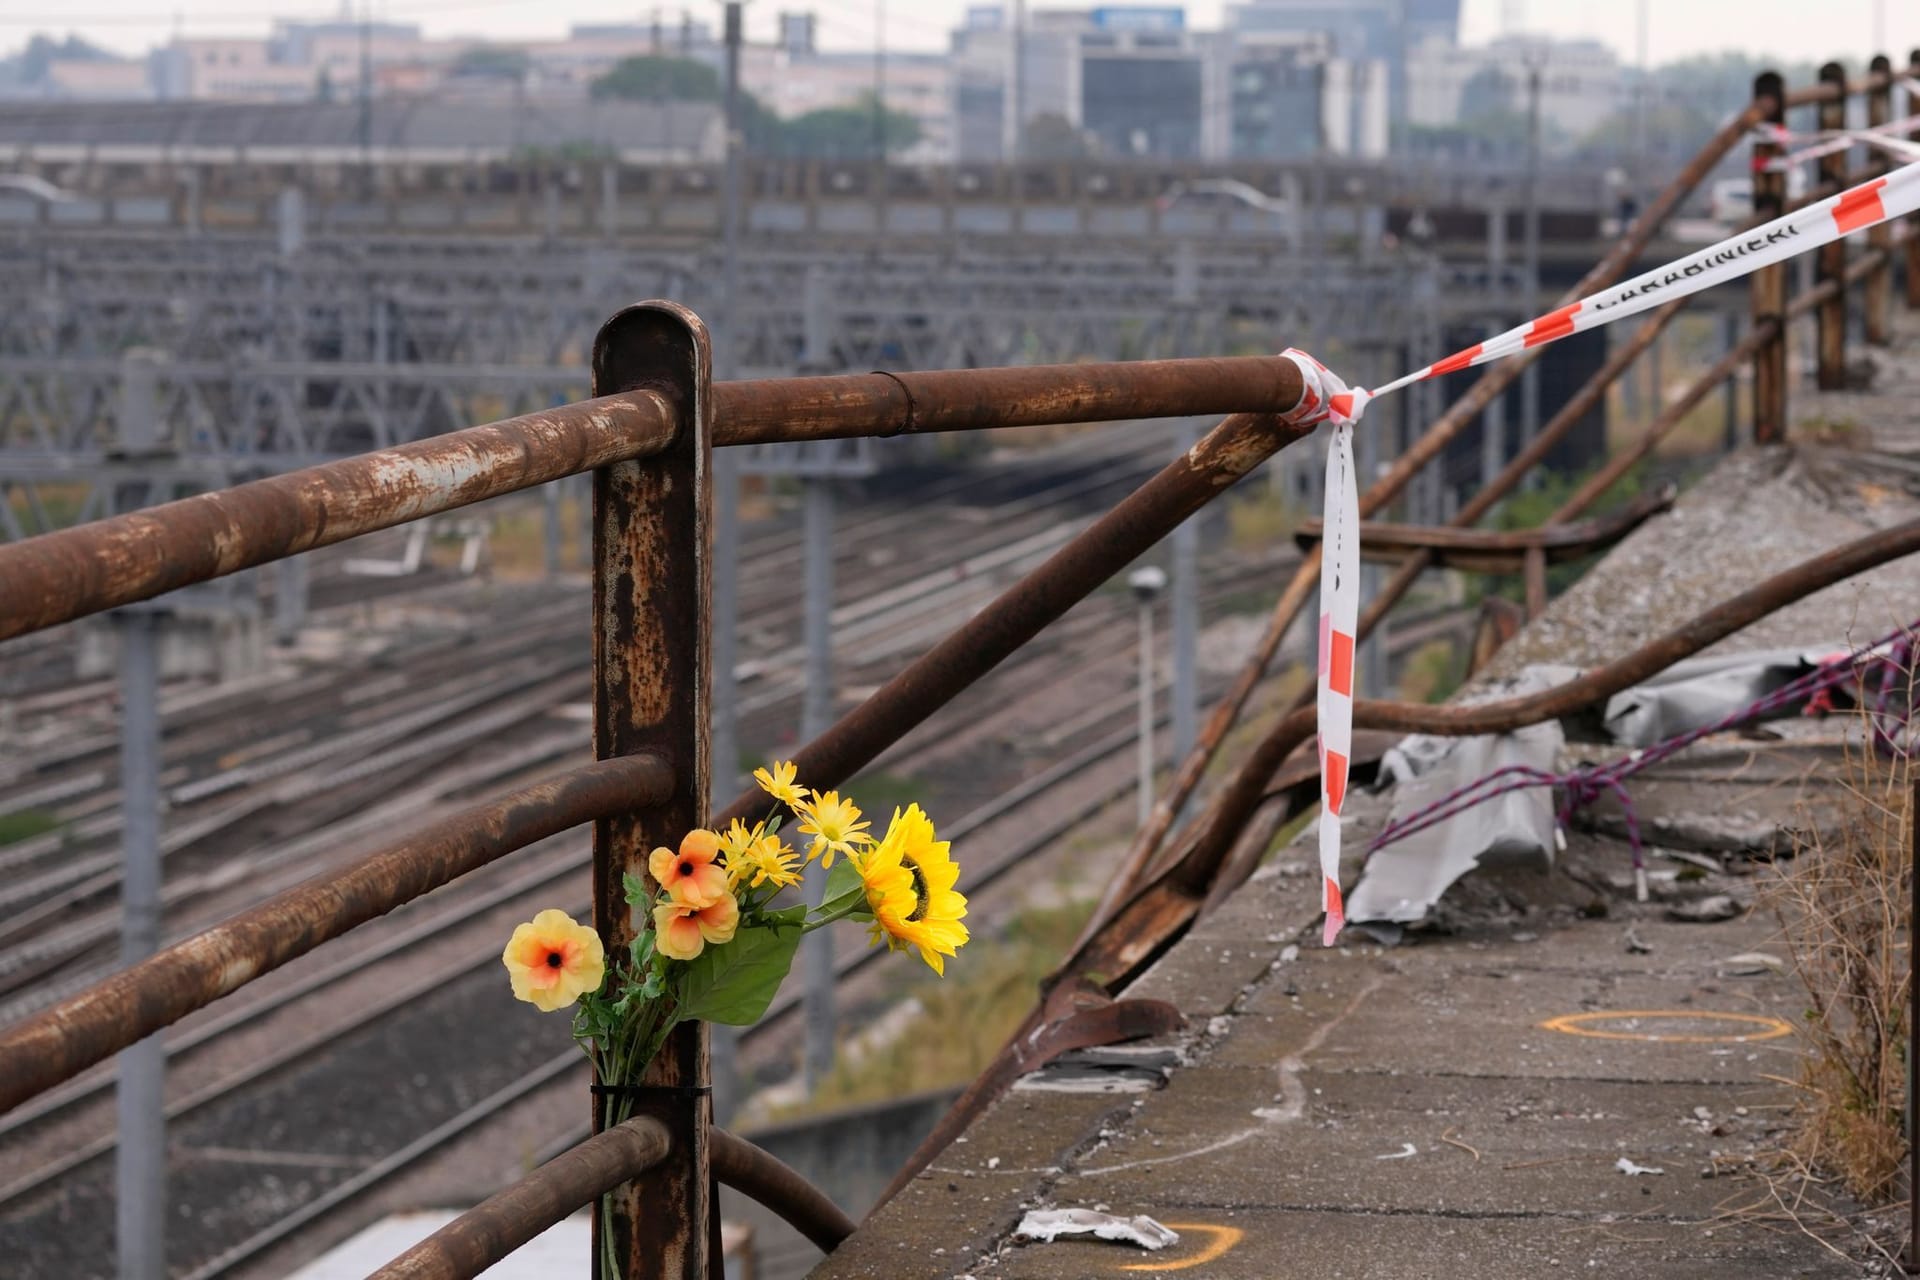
[(1844, 905)]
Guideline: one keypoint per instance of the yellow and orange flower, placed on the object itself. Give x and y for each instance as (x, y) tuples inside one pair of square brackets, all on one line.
[(835, 827), (757, 856), (691, 876), (909, 878), (552, 961), (683, 932), (779, 783)]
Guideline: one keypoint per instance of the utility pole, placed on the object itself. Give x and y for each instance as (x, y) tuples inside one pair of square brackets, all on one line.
[(140, 1156), (366, 95), (1530, 378), (1640, 109), (1186, 619), (723, 750), (880, 83), (816, 715), (879, 126), (1147, 583), (1018, 94)]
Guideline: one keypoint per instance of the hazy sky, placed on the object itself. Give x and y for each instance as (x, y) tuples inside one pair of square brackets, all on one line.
[(1801, 29)]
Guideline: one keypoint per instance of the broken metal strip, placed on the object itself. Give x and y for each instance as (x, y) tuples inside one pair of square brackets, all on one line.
[(135, 1002), (494, 1228), (1498, 550)]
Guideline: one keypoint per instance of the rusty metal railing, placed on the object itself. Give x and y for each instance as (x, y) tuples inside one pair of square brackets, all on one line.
[(647, 438), (646, 435)]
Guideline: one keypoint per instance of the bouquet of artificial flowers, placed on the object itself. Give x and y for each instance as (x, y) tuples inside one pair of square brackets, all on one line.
[(715, 943)]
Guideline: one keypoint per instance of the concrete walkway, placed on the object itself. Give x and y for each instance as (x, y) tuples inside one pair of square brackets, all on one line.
[(1455, 1107)]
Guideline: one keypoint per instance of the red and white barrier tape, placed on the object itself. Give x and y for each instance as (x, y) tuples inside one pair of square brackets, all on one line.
[(1326, 398)]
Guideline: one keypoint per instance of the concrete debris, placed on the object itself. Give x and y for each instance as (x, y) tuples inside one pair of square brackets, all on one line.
[(1043, 1225), (1699, 691), (1633, 1170), (1403, 881), (1706, 910)]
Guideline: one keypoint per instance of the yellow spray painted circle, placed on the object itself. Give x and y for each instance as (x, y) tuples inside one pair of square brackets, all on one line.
[(1764, 1026)]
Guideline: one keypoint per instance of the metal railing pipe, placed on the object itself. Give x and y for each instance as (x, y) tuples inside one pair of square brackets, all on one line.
[(760, 1175), (133, 1003), (494, 1228), (70, 573), (784, 410)]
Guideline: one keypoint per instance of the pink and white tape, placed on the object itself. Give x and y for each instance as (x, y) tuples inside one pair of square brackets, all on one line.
[(1326, 398)]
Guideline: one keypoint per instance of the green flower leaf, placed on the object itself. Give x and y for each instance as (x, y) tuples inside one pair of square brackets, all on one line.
[(635, 888), (844, 889), (734, 982), (787, 917)]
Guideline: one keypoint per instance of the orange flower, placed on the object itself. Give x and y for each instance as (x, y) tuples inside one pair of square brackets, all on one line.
[(691, 877), (552, 961), (682, 932)]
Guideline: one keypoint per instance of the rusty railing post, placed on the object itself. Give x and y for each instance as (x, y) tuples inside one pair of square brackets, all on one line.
[(1913, 239), (1880, 283), (1768, 290), (650, 655), (1830, 262)]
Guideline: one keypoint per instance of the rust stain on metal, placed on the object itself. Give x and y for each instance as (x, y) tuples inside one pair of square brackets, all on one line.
[(137, 1001)]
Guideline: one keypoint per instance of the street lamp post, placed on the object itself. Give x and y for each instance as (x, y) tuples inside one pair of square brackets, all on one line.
[(1147, 582)]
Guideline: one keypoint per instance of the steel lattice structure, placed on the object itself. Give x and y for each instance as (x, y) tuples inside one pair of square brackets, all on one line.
[(253, 361)]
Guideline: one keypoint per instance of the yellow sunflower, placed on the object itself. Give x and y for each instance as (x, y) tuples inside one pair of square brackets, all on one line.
[(909, 878), (835, 827)]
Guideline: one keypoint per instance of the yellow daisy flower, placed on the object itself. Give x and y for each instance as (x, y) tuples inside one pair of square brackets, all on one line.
[(779, 784), (757, 857), (835, 827), (909, 878), (552, 961)]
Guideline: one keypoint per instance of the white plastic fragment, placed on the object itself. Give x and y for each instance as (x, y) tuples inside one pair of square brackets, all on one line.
[(1406, 1151), (1633, 1170), (1043, 1225)]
